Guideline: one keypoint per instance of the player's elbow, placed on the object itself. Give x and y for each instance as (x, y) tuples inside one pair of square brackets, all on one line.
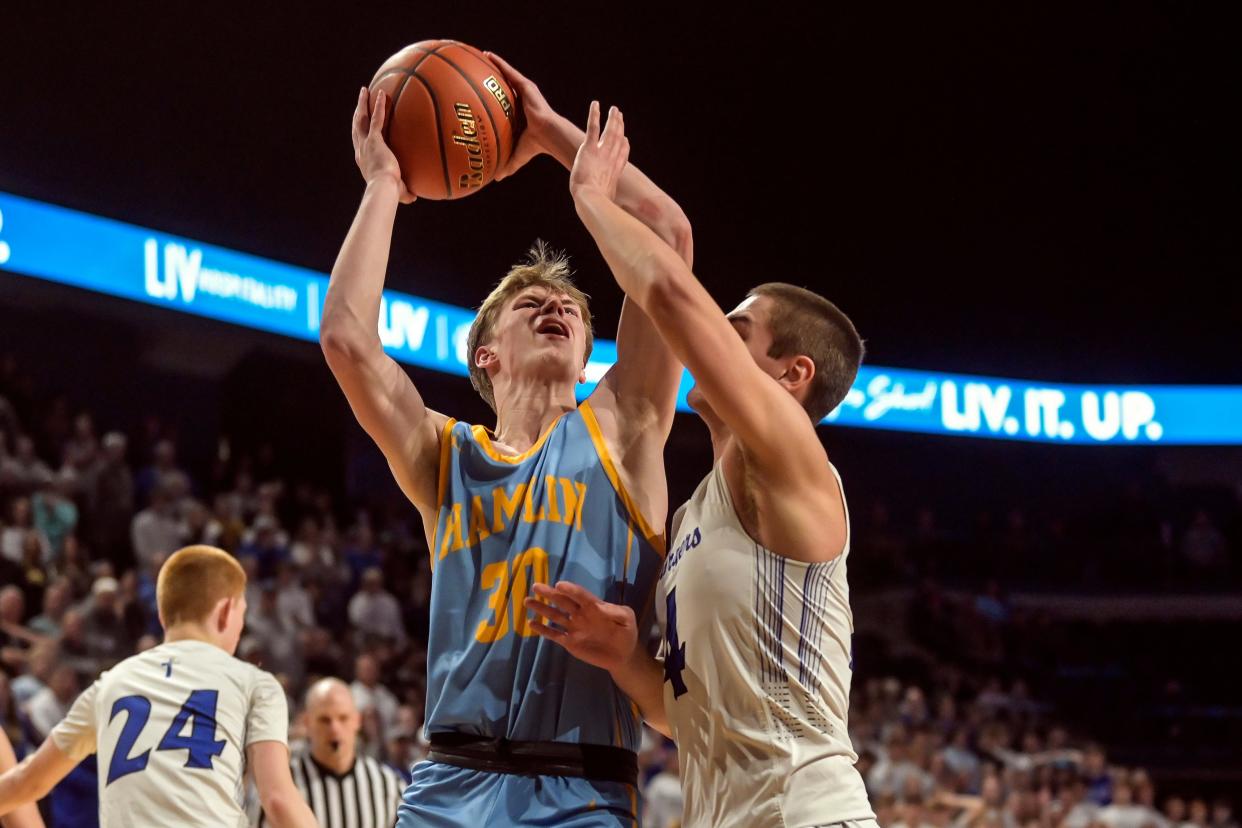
[(343, 339), (668, 284)]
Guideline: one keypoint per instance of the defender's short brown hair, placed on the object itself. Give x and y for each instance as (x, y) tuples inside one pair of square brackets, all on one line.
[(804, 323), (542, 267), (193, 580)]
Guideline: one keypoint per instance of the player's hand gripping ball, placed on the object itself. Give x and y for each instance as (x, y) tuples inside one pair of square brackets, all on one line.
[(453, 119)]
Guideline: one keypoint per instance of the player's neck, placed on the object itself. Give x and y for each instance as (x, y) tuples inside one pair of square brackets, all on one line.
[(186, 631), (525, 412)]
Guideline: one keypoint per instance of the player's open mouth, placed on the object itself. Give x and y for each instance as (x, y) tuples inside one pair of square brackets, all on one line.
[(553, 327)]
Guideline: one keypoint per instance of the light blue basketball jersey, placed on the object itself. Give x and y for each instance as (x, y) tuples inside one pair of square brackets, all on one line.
[(556, 512)]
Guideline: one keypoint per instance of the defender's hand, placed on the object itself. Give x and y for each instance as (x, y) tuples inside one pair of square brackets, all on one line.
[(536, 136), (371, 153), (595, 631), (602, 157)]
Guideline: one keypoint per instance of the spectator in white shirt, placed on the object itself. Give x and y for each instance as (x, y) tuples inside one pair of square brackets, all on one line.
[(47, 707), (156, 530), (370, 695), (374, 611)]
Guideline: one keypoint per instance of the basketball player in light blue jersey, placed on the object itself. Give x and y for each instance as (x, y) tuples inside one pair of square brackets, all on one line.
[(753, 599), (521, 733)]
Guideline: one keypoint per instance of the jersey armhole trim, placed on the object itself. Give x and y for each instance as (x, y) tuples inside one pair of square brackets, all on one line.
[(446, 453), (656, 539)]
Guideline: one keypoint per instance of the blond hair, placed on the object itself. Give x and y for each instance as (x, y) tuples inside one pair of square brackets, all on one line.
[(193, 580), (542, 267)]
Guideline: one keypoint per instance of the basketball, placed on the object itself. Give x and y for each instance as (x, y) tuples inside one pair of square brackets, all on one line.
[(452, 118)]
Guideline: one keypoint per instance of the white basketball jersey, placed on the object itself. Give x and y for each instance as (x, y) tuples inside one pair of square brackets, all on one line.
[(757, 666), (171, 727)]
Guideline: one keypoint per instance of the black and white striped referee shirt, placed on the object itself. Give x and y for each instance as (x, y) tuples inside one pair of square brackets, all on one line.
[(365, 797)]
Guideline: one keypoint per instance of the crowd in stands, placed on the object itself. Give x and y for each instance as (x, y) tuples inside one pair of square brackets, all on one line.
[(87, 515)]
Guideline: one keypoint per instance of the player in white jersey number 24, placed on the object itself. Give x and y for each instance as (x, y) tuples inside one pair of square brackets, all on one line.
[(752, 601), (176, 726)]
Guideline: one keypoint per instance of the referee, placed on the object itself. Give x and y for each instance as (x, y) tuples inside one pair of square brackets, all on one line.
[(344, 790)]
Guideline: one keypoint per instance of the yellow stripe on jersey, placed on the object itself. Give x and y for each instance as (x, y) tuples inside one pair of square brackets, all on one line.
[(656, 539), (446, 452)]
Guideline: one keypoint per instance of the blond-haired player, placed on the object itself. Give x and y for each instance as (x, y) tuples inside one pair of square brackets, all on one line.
[(752, 598), (176, 727), (520, 732)]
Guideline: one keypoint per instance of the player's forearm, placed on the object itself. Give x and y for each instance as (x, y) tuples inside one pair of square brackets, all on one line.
[(352, 305), (642, 679), (637, 194), (644, 265), (18, 787)]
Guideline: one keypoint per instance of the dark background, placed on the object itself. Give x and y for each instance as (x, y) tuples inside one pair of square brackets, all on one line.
[(1040, 193)]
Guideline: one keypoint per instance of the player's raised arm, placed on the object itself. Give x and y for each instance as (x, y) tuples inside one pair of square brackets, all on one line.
[(379, 391), (283, 805), (776, 435), (645, 379)]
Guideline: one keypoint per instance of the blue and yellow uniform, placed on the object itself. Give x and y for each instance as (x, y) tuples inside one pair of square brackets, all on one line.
[(555, 512)]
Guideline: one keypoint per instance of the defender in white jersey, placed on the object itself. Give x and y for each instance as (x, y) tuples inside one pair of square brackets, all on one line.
[(176, 727), (753, 600)]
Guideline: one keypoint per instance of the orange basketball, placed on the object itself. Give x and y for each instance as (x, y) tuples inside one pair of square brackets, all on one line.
[(452, 120)]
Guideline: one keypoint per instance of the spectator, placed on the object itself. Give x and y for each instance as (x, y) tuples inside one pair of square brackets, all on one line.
[(15, 639), (21, 524), (156, 531), (266, 546), (109, 492), (56, 600), (74, 567), (137, 608), (279, 640), (662, 798), (73, 647), (1124, 812), (370, 695), (55, 514), (1095, 772), (292, 601), (50, 704), (375, 612), (82, 448), (41, 660), (22, 472), (1175, 812), (152, 477), (1222, 814), (32, 575), (310, 552), (323, 653), (107, 638), (361, 553)]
